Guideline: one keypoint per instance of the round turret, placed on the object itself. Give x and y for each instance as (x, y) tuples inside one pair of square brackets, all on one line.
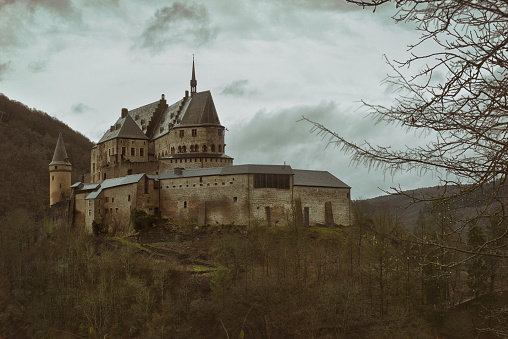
[(59, 174)]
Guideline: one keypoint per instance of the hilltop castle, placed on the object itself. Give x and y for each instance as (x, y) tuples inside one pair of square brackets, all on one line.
[(170, 161)]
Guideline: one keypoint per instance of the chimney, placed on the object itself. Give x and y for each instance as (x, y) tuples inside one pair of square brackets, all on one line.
[(186, 94), (178, 170), (125, 111)]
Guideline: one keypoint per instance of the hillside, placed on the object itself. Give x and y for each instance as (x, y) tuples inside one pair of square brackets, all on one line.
[(408, 209), (27, 142)]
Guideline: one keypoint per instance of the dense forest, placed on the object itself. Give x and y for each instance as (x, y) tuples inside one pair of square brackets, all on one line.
[(189, 281), (27, 142)]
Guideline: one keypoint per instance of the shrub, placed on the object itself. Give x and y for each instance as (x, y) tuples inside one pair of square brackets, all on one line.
[(140, 220)]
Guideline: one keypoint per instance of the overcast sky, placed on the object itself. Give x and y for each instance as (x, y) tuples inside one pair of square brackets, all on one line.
[(267, 63)]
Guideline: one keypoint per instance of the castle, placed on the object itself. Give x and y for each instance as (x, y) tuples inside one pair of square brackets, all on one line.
[(170, 161)]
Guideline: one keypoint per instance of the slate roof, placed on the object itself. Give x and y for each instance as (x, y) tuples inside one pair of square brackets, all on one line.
[(143, 114), (189, 173), (317, 179), (170, 117), (115, 182), (228, 170), (83, 186), (249, 168), (200, 111), (60, 155), (124, 128)]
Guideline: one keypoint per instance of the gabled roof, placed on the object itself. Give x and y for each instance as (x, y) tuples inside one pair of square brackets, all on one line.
[(109, 183), (60, 155), (124, 128), (317, 179), (200, 111)]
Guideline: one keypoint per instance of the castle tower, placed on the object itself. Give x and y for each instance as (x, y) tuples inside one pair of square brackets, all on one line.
[(193, 82), (59, 174)]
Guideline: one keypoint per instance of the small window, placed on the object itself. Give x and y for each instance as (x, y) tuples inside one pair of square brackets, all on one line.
[(219, 132), (129, 197), (123, 150), (89, 212), (220, 148), (52, 177), (194, 132), (204, 148), (235, 199), (213, 148), (56, 167), (106, 199), (185, 204), (116, 210), (133, 151), (112, 199), (141, 152), (181, 133)]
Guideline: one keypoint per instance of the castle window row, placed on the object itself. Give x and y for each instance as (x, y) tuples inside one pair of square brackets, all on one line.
[(176, 161), (200, 185)]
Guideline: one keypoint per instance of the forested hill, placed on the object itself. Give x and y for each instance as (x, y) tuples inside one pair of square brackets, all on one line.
[(407, 209), (27, 142)]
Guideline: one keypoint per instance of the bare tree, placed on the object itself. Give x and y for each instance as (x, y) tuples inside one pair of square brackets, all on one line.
[(460, 99)]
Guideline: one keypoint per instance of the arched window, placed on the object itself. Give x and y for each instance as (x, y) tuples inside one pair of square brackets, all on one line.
[(196, 148), (184, 150), (213, 148), (185, 204), (179, 149), (166, 152), (172, 150), (192, 148), (220, 148), (204, 148)]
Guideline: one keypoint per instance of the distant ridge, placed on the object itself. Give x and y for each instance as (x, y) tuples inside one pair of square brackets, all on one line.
[(27, 142), (407, 210)]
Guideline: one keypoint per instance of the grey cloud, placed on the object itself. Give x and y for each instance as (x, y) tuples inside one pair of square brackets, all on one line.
[(275, 137), (3, 68), (37, 66), (238, 88), (60, 7), (80, 108), (334, 5), (182, 22)]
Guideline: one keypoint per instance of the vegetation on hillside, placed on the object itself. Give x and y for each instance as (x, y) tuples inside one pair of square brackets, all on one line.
[(366, 281), (27, 142)]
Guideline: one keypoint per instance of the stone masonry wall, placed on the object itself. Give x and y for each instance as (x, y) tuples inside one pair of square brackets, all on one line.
[(315, 198)]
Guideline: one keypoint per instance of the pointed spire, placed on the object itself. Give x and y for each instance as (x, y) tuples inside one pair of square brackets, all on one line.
[(193, 82), (60, 155)]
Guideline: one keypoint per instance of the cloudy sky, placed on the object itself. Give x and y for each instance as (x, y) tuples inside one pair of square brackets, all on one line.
[(267, 63)]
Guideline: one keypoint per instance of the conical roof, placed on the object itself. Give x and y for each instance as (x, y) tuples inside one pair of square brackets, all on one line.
[(60, 155)]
